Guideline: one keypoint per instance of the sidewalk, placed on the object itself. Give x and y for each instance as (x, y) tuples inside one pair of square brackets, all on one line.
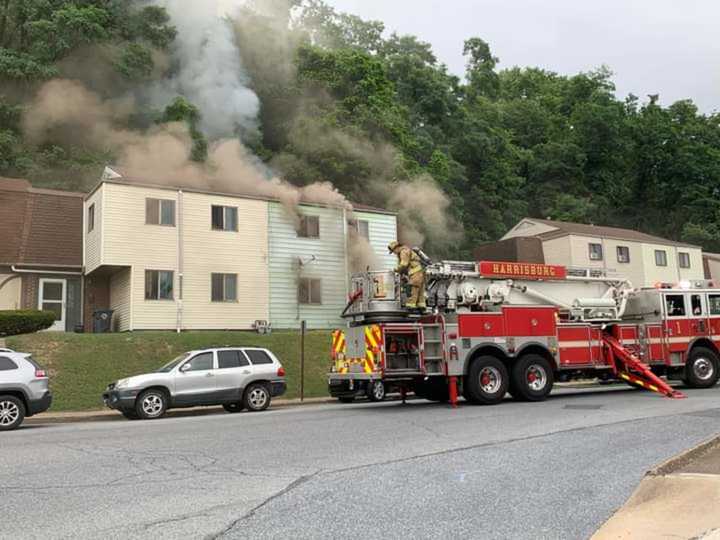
[(678, 499), (101, 415)]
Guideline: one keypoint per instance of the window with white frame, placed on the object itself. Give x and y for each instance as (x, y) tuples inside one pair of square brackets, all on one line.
[(309, 227), (361, 227), (623, 254), (91, 218), (158, 285)]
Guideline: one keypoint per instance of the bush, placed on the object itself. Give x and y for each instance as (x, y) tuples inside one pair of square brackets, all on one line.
[(26, 321)]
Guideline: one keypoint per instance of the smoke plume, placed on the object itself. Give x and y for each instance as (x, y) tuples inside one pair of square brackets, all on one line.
[(207, 70)]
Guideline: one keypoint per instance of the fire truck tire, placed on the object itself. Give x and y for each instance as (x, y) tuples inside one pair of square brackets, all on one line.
[(531, 378), (375, 391), (702, 368), (487, 381)]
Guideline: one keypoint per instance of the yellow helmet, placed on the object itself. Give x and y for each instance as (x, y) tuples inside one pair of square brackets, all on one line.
[(392, 246)]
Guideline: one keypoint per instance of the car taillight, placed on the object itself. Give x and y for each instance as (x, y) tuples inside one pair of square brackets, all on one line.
[(40, 374), (281, 371)]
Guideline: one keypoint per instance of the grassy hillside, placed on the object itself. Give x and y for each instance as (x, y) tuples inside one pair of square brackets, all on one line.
[(81, 365)]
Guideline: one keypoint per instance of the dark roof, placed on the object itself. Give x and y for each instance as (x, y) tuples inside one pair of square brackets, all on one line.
[(39, 226), (126, 177), (566, 228)]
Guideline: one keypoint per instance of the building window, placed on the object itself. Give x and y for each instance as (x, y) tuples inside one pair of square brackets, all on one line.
[(224, 218), (623, 254), (595, 251), (158, 285), (160, 212), (361, 227), (660, 257), (684, 259), (310, 291), (224, 287), (309, 227), (91, 217)]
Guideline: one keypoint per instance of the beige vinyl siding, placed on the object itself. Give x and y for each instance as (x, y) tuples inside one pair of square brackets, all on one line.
[(127, 240), (696, 270), (10, 291), (120, 300), (242, 252), (672, 273), (528, 227), (557, 251), (93, 239), (714, 268)]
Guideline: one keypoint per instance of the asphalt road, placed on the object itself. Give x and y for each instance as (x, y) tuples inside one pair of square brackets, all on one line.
[(556, 469)]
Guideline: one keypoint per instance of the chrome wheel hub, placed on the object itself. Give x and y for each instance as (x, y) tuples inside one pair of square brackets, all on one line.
[(490, 380), (536, 377), (152, 405), (257, 398), (378, 391), (9, 413), (703, 369)]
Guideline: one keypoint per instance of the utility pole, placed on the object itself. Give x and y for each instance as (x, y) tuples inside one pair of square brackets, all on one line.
[(303, 327)]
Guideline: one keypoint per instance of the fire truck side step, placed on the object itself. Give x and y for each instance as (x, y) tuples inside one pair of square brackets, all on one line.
[(631, 369)]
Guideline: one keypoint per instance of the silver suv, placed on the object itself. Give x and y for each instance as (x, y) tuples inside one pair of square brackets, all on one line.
[(235, 377), (24, 389)]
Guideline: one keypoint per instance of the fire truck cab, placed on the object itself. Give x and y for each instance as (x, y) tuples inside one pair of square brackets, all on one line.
[(495, 328)]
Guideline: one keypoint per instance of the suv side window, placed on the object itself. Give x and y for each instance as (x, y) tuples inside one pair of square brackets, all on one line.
[(258, 357), (6, 364), (231, 359), (201, 362)]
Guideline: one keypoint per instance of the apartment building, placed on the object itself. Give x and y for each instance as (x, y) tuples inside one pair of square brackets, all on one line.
[(165, 257), (642, 258), (41, 251)]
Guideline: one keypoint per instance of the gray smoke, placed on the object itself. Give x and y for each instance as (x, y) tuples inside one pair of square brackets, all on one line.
[(207, 70)]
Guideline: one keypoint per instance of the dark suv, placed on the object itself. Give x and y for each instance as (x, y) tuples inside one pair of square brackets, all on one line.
[(24, 389)]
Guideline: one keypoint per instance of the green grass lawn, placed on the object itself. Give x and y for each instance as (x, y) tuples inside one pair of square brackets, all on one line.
[(81, 365)]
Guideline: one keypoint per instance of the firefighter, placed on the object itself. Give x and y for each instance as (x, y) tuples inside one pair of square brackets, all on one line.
[(409, 265)]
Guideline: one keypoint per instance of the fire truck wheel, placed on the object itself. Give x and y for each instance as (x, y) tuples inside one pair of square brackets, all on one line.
[(702, 368), (375, 391), (487, 381), (531, 378)]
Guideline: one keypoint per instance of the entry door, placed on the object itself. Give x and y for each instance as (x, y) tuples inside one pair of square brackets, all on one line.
[(53, 297)]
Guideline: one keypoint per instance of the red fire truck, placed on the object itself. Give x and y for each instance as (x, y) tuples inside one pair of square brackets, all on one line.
[(497, 327)]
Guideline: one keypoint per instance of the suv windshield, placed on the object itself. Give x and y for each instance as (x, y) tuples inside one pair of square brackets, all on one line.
[(168, 367)]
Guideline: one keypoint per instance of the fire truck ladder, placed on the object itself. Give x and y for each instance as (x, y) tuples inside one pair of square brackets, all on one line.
[(631, 369)]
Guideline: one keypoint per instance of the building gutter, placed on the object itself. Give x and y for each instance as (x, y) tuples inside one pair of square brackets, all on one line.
[(57, 272)]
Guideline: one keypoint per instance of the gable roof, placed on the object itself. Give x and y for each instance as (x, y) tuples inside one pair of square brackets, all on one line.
[(39, 226), (565, 228)]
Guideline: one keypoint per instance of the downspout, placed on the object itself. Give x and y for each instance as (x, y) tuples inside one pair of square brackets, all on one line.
[(180, 261), (346, 255)]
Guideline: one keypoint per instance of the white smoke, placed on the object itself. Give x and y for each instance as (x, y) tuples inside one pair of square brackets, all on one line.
[(207, 69)]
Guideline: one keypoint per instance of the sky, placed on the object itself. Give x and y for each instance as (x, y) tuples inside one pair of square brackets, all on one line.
[(666, 47)]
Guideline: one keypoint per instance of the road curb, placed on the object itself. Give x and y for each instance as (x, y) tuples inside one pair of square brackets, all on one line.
[(70, 417), (677, 462)]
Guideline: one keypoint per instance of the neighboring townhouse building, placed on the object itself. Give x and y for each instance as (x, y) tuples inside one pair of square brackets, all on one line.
[(642, 258), (711, 264), (41, 251), (177, 258)]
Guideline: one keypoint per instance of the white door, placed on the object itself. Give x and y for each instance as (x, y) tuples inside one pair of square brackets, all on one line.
[(53, 297)]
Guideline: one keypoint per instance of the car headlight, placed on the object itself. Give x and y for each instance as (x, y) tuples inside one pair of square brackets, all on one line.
[(123, 383)]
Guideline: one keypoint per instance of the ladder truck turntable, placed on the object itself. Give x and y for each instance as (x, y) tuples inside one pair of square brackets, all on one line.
[(498, 327)]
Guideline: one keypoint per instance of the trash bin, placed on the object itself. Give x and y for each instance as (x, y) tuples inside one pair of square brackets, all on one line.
[(102, 319)]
